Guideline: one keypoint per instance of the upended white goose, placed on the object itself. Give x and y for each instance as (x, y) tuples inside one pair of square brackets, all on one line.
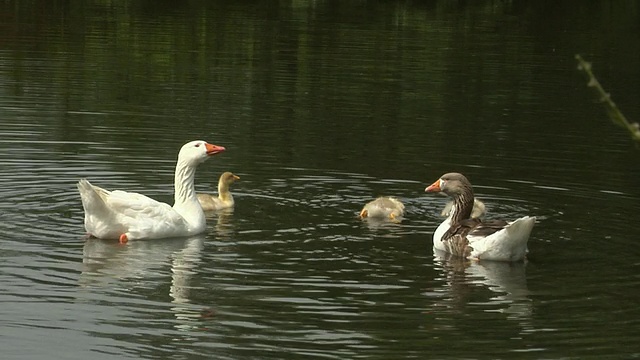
[(128, 216), (473, 238), (384, 207)]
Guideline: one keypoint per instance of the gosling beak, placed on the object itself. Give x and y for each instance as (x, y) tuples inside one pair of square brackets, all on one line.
[(435, 187), (214, 149), (236, 177)]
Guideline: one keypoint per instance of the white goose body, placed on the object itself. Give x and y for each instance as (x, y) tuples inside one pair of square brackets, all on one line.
[(128, 216), (469, 237)]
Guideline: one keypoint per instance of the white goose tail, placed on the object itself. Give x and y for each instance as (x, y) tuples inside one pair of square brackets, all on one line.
[(93, 197), (94, 202), (508, 244), (521, 228)]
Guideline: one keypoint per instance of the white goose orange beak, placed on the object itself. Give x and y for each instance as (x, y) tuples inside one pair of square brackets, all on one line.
[(214, 149), (435, 187)]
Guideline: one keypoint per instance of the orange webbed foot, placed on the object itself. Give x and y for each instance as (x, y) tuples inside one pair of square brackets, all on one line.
[(123, 239)]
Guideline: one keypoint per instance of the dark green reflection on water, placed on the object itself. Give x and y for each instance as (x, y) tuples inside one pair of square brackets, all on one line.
[(322, 106)]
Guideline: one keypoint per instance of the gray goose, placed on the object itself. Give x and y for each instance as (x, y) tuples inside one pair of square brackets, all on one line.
[(472, 238)]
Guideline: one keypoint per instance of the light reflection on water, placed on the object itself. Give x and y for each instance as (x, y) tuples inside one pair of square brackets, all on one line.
[(292, 272), (506, 280), (292, 265), (285, 238)]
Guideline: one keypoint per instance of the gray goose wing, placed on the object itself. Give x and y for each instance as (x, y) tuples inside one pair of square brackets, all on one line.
[(486, 228), (456, 237)]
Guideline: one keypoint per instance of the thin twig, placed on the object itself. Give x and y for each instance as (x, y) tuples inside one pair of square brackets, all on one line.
[(614, 113)]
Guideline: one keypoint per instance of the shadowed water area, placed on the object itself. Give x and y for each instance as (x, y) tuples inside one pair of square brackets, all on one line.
[(322, 106)]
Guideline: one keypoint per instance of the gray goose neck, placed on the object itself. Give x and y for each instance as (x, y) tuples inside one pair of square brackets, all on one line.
[(462, 205)]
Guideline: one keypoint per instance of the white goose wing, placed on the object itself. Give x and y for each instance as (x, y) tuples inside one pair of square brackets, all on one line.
[(108, 214), (134, 203), (145, 216), (508, 244)]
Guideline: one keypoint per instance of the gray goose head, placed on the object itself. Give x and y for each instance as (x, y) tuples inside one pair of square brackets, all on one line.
[(459, 189)]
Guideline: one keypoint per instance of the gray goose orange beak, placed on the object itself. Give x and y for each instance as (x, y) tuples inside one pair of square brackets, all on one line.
[(435, 187)]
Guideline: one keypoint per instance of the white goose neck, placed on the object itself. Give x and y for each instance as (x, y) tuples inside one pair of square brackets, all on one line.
[(186, 202), (183, 182)]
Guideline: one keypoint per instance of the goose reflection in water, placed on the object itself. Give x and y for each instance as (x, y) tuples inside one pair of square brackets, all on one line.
[(183, 267), (224, 228), (507, 280), (110, 266)]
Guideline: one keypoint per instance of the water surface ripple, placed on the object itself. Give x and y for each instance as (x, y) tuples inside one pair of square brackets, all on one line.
[(320, 111)]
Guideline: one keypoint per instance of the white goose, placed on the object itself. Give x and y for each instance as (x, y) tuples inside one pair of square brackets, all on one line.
[(127, 216), (473, 238), (224, 200)]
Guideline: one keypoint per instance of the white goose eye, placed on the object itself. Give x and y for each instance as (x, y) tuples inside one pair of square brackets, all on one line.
[(197, 145)]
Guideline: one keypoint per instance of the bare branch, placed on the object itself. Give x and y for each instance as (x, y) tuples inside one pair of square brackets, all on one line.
[(613, 112)]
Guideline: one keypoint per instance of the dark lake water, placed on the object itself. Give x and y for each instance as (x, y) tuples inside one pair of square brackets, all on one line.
[(322, 106)]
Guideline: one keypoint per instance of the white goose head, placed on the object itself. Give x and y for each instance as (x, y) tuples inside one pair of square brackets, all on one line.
[(195, 152), (190, 156)]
